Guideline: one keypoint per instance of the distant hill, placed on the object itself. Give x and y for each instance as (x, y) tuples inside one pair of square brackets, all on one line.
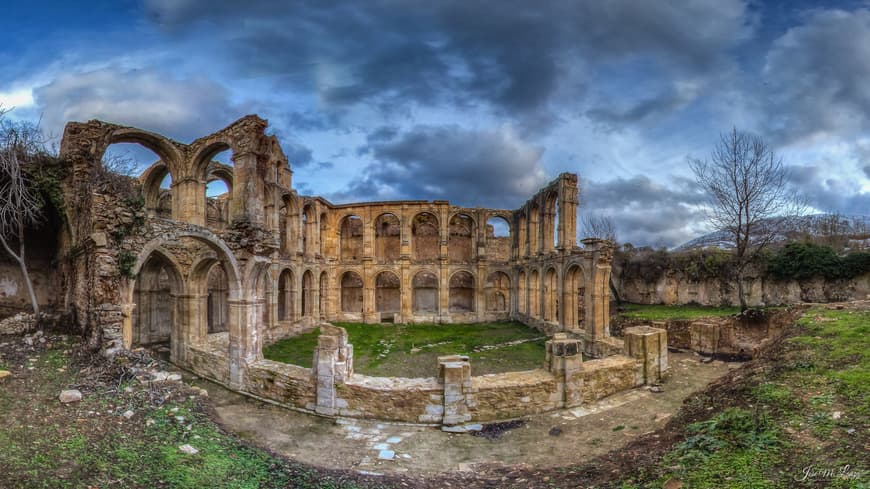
[(853, 231)]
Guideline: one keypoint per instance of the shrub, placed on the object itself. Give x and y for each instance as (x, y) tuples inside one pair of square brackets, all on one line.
[(806, 260)]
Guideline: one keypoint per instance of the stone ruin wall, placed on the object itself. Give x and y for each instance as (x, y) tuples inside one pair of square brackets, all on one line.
[(220, 277), (675, 288)]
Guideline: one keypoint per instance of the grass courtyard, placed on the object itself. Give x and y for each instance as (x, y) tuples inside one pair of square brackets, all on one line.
[(660, 312), (411, 350)]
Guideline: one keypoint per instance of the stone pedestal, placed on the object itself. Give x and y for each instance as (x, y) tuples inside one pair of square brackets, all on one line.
[(704, 337), (564, 359), (454, 372), (650, 346), (332, 364)]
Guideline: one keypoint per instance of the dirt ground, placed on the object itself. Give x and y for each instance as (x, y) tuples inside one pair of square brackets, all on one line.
[(561, 438)]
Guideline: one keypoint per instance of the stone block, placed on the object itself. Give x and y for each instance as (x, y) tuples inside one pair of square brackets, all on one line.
[(704, 337), (650, 346)]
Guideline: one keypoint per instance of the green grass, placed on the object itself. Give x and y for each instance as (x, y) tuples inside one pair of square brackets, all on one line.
[(386, 349), (809, 408), (44, 444), (659, 312)]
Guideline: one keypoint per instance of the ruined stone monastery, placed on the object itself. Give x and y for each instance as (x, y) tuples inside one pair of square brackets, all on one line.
[(217, 278)]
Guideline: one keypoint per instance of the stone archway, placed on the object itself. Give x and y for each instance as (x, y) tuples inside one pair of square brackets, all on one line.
[(425, 292), (461, 292), (574, 298), (157, 286)]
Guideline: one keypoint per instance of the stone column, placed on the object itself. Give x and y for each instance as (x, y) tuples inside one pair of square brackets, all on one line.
[(127, 311), (188, 201), (248, 189), (332, 364), (564, 359), (244, 339), (568, 215), (650, 346), (454, 372)]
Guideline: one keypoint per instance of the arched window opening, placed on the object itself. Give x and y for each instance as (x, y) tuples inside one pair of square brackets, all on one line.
[(498, 239), (307, 293), (460, 241), (425, 300), (426, 238), (324, 295), (522, 293), (575, 298), (551, 219), (551, 300), (351, 292), (461, 292), (387, 293), (534, 230), (522, 235), (154, 294), (324, 233), (309, 230), (534, 295), (351, 238), (286, 296), (498, 292), (218, 297), (388, 241)]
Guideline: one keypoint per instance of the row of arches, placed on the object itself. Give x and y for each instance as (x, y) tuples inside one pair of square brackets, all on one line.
[(386, 236), (540, 297), (539, 225), (425, 293)]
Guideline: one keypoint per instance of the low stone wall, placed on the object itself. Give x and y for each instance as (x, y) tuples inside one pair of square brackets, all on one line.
[(452, 398), (733, 336), (514, 394), (287, 384)]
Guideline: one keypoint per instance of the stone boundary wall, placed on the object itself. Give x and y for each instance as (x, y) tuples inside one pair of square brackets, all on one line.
[(674, 288), (452, 398)]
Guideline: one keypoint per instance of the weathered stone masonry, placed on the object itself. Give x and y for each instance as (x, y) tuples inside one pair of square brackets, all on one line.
[(218, 277)]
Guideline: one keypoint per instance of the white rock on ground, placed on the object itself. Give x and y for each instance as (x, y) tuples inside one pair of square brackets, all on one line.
[(70, 395), (188, 449)]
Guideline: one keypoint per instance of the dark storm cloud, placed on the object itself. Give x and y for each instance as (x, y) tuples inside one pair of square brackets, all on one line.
[(867, 171), (297, 154), (816, 77), (468, 167), (504, 54), (645, 212)]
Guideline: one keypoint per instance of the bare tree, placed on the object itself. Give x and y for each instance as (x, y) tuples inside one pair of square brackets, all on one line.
[(601, 227), (20, 144), (746, 185)]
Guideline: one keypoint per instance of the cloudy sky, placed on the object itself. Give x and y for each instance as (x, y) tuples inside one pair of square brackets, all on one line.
[(478, 102)]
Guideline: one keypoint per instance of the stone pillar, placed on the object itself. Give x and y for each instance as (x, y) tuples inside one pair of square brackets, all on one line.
[(650, 346), (127, 311), (704, 337), (564, 359), (332, 364), (568, 211), (244, 338), (454, 372), (248, 189), (188, 201), (191, 319)]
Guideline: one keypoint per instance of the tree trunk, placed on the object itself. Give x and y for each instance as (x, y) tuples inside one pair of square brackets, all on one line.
[(741, 294), (24, 273)]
